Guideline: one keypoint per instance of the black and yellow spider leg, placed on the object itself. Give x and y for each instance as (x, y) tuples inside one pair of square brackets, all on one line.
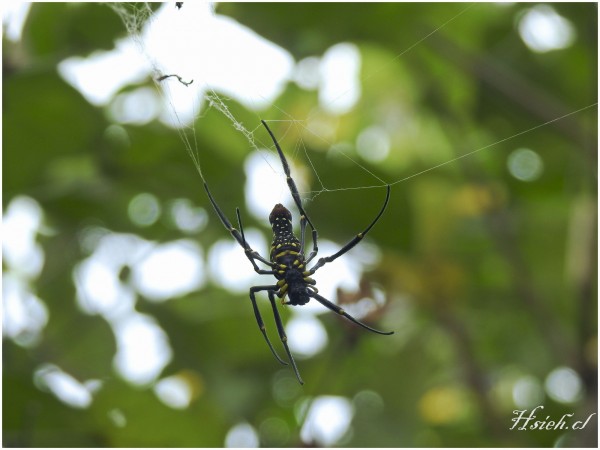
[(259, 320), (354, 241), (251, 254), (295, 194), (282, 334), (341, 312)]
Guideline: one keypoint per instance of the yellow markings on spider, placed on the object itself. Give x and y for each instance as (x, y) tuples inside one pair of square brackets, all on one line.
[(283, 298), (286, 252)]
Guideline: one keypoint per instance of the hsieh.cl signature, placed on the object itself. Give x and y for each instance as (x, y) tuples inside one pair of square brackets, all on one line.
[(546, 424)]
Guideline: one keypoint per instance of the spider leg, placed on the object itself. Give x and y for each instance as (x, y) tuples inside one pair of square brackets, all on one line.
[(354, 241), (341, 312), (250, 254), (282, 334), (260, 322), (302, 233), (295, 194)]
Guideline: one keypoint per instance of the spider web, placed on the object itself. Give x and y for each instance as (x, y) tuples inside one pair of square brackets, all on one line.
[(174, 81), (194, 96)]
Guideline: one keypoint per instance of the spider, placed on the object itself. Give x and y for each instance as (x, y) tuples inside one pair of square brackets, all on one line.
[(287, 261)]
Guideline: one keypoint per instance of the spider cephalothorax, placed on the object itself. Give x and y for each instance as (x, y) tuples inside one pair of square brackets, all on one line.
[(287, 261)]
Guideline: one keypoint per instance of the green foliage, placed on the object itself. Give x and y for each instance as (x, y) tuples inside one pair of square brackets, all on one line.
[(487, 278)]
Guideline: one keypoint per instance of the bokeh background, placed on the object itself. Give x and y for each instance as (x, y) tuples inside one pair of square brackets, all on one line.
[(126, 319)]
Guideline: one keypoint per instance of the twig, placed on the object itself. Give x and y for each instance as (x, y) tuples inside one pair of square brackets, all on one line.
[(185, 83)]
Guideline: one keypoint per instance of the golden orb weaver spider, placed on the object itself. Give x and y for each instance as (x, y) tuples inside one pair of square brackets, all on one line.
[(287, 262)]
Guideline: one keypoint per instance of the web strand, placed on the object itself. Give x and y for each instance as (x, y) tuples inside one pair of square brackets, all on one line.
[(521, 133), (437, 166), (399, 55)]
